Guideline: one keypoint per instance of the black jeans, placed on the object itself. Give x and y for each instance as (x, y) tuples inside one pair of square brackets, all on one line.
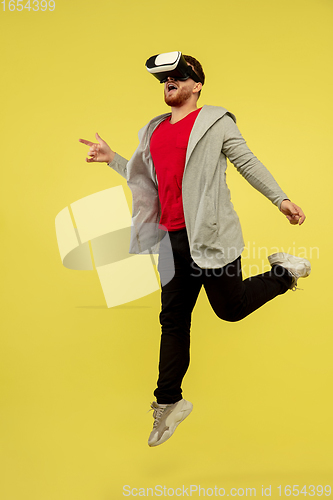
[(231, 298)]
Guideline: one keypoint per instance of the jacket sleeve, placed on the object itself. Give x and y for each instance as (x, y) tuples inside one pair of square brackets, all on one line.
[(119, 164), (235, 149)]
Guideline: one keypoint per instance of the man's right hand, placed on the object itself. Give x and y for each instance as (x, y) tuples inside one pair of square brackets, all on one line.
[(100, 152)]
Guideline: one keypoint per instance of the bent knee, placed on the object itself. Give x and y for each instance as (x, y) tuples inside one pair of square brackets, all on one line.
[(231, 319), (230, 315)]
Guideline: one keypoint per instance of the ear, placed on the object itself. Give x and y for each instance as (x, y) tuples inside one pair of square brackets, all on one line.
[(197, 87)]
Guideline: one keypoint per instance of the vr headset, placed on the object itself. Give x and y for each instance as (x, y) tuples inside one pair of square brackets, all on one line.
[(170, 64)]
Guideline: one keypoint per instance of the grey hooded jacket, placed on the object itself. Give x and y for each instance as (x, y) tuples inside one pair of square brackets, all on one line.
[(213, 227)]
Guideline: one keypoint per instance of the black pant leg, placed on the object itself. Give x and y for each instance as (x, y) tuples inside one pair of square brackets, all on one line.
[(178, 299)]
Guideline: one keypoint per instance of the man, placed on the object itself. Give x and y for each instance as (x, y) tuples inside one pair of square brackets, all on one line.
[(177, 178)]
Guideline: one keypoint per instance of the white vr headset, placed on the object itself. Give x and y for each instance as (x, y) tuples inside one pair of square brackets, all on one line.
[(170, 64)]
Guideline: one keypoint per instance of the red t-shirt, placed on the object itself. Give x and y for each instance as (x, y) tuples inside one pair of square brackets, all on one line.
[(168, 147)]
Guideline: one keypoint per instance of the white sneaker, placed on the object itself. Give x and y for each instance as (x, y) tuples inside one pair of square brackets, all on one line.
[(166, 420), (297, 266)]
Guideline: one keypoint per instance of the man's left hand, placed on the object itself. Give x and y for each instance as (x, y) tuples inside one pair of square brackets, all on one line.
[(294, 214)]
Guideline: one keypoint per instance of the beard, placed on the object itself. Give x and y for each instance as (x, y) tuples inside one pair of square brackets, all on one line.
[(180, 97)]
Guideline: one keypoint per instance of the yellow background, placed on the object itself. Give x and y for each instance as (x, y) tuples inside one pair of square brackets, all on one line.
[(76, 377)]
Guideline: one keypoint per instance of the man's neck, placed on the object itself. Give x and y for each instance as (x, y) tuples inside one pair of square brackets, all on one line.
[(180, 112)]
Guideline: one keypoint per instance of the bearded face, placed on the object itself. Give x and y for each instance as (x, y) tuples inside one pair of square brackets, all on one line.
[(176, 92)]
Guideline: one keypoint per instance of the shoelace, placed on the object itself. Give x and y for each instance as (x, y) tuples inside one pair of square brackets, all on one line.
[(296, 276), (157, 414), (294, 288)]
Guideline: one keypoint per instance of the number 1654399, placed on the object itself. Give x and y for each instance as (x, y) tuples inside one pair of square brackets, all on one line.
[(24, 5)]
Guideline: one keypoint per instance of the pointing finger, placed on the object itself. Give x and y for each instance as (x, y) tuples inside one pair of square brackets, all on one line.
[(88, 143)]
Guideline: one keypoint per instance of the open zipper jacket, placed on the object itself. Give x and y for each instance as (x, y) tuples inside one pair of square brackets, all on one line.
[(213, 227)]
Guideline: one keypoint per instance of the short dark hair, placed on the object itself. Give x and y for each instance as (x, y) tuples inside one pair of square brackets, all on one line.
[(197, 68)]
